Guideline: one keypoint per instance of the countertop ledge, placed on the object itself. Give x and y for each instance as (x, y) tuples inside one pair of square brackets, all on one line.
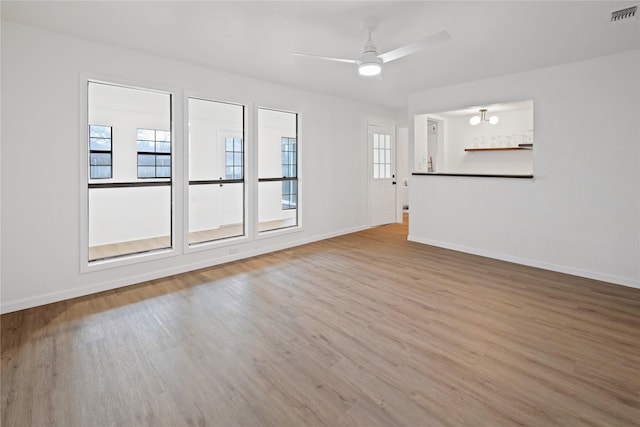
[(474, 175)]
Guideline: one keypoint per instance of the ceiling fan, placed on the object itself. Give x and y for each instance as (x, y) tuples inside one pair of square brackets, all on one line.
[(370, 62)]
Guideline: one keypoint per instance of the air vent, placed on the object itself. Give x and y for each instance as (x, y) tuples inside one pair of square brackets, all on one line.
[(624, 14)]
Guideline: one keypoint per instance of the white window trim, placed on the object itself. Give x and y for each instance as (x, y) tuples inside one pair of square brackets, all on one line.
[(248, 176), (87, 266), (268, 234)]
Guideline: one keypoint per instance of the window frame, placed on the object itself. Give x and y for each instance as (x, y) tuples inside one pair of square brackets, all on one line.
[(247, 229), (156, 154), (291, 193), (85, 266), (95, 151), (233, 153), (297, 227)]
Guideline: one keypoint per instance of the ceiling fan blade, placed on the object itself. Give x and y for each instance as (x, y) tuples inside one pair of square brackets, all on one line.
[(326, 58), (416, 46)]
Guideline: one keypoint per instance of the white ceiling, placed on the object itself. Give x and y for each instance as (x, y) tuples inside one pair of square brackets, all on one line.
[(255, 39)]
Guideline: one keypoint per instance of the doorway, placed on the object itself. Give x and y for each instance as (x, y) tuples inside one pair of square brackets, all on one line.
[(382, 175)]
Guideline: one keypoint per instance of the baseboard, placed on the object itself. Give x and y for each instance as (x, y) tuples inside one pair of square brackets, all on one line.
[(25, 303), (604, 277)]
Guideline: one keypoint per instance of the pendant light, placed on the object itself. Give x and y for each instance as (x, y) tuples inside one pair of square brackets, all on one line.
[(476, 120)]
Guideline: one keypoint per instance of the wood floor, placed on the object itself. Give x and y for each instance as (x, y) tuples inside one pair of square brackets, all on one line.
[(361, 330), (163, 242)]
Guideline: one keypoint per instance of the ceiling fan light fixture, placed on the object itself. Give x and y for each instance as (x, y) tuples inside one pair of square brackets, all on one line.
[(369, 68), (475, 120), (493, 120)]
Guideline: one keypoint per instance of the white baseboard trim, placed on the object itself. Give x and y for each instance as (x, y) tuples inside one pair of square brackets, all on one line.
[(22, 304), (604, 277)]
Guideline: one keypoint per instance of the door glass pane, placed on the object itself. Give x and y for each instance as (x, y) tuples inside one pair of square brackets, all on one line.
[(278, 170), (126, 216), (381, 156), (216, 152)]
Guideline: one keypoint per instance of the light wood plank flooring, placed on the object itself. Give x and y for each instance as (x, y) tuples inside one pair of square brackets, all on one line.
[(361, 330), (143, 245)]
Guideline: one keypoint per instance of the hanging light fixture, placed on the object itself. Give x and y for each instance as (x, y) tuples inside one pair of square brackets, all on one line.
[(476, 120)]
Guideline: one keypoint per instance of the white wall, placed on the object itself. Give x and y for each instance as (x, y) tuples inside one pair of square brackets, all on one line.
[(41, 114), (581, 212)]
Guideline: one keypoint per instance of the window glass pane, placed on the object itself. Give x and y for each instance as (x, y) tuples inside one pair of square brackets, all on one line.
[(163, 171), (146, 134), (100, 172), (376, 171), (100, 159), (387, 171), (126, 219), (215, 212), (277, 131), (163, 160), (163, 147), (146, 160), (163, 136), (101, 144), (100, 131), (215, 152), (146, 146), (146, 171), (375, 141)]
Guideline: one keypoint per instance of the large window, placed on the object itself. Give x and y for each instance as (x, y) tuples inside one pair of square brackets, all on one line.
[(100, 158), (128, 215), (216, 171), (278, 168), (289, 170), (154, 153)]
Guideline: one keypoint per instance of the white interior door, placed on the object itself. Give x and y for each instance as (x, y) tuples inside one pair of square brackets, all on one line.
[(382, 175)]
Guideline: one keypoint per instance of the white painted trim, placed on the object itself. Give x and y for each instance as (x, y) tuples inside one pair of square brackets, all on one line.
[(215, 244), (617, 280), (52, 297), (267, 234)]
